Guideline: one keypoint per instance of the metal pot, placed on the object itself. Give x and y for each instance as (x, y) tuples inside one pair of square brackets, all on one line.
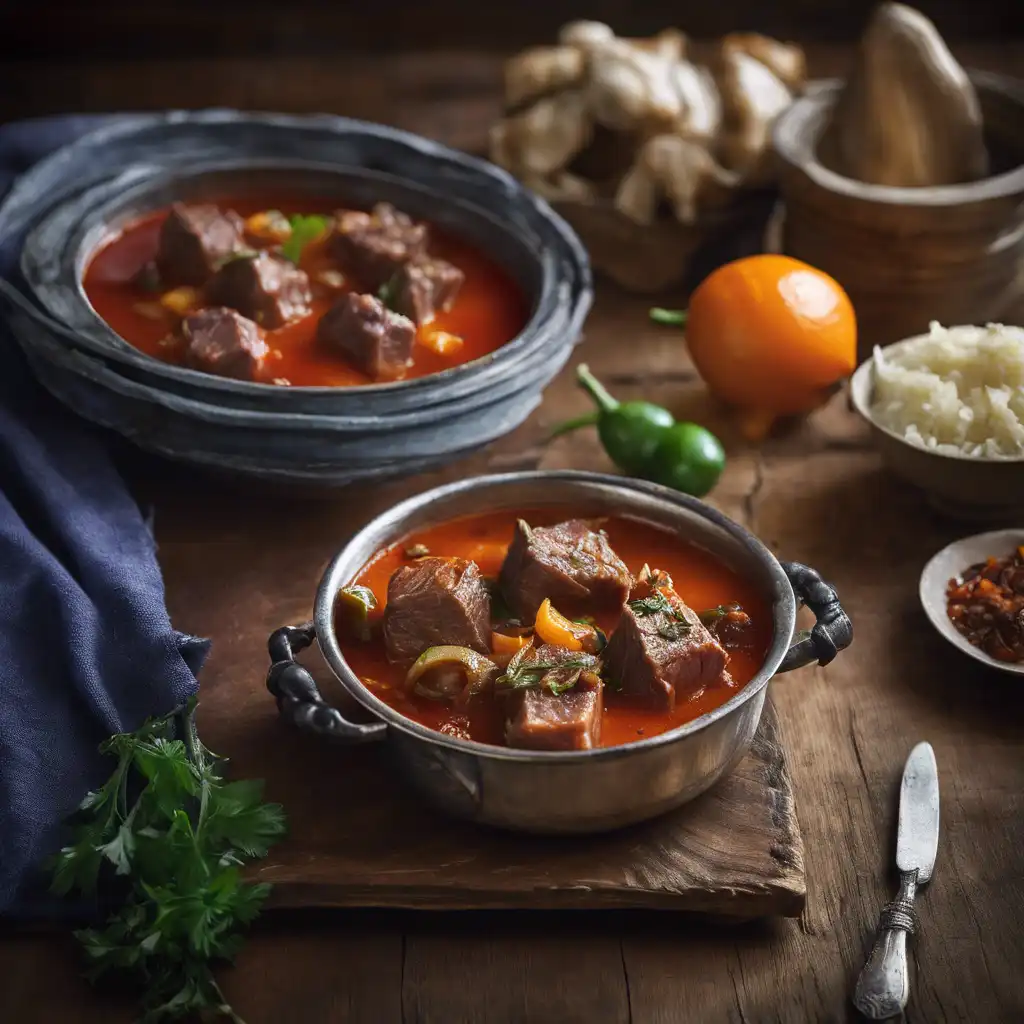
[(561, 791)]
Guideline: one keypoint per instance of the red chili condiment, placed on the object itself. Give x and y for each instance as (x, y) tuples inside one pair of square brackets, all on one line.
[(986, 605)]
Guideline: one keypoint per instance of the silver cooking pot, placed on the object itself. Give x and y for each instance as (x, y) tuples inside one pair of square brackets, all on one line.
[(561, 791)]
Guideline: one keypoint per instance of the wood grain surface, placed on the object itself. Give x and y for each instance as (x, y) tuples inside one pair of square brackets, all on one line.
[(817, 494), (359, 837)]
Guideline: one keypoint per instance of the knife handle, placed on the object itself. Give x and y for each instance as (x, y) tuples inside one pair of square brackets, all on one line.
[(883, 986)]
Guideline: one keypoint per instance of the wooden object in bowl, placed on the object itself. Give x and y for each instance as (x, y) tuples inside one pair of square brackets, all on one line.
[(908, 256), (668, 255)]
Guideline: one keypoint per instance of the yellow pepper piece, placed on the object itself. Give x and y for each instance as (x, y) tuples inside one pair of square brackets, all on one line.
[(554, 628), (501, 643), (441, 343), (181, 301), (268, 226)]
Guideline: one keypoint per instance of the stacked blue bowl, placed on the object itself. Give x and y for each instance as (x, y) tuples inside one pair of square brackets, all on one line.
[(68, 205)]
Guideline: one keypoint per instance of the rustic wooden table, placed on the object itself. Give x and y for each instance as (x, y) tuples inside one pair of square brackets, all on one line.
[(239, 563)]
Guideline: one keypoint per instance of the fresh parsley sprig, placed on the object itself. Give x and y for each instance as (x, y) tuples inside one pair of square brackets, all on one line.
[(171, 836)]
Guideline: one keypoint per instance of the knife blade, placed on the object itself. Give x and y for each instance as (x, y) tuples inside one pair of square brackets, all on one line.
[(917, 836), (883, 986)]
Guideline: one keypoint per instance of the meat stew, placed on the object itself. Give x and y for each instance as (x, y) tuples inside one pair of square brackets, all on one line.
[(322, 297), (551, 632)]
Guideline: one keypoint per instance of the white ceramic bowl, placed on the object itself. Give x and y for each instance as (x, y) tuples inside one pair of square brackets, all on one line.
[(950, 562), (963, 487)]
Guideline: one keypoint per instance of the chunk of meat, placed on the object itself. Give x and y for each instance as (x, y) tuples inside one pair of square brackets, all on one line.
[(373, 246), (570, 564), (221, 341), (423, 287), (194, 241), (266, 288), (436, 602), (556, 701), (369, 335), (660, 650)]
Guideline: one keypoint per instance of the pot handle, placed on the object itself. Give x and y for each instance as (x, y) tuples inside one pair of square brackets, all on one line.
[(298, 699), (833, 630)]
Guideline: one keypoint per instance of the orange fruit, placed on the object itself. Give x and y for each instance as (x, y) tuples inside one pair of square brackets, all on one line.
[(771, 335)]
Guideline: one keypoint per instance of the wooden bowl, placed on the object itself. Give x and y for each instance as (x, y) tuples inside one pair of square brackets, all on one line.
[(962, 487), (668, 255), (908, 256)]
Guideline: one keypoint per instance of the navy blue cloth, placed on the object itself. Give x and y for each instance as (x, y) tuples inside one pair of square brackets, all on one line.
[(86, 645)]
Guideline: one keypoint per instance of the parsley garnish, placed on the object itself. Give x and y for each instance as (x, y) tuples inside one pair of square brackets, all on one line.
[(177, 834), (656, 604), (305, 229), (673, 630), (556, 676), (675, 626)]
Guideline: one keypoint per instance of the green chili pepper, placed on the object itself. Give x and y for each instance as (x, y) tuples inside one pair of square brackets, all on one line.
[(645, 440)]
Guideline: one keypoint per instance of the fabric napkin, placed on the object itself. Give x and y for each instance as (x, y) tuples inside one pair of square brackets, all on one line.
[(86, 645)]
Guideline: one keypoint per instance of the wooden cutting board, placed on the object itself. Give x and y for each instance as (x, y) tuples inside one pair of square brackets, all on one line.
[(361, 838)]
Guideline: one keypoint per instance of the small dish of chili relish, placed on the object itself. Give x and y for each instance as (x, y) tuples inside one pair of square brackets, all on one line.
[(973, 593)]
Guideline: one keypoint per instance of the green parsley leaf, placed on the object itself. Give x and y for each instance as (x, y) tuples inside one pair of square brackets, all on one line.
[(178, 846), (305, 229)]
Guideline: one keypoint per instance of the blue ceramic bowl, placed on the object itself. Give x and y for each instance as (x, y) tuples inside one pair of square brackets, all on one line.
[(72, 201)]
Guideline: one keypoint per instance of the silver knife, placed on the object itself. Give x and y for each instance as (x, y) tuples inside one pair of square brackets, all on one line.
[(883, 988)]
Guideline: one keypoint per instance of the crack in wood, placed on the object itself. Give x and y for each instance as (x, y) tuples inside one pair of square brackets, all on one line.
[(750, 498), (625, 978), (857, 751), (744, 1019)]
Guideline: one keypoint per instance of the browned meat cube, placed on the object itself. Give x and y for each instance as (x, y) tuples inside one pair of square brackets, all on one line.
[(553, 699), (194, 241), (373, 246), (423, 287), (660, 650), (436, 602), (369, 335), (266, 288), (571, 564), (222, 342)]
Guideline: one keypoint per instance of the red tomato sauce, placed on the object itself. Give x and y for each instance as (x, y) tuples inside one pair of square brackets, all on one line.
[(701, 580), (490, 309)]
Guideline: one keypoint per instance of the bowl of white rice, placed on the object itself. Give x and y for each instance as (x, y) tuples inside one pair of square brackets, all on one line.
[(947, 411)]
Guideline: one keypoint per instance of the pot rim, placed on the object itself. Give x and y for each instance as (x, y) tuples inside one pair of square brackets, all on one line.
[(554, 285), (784, 608)]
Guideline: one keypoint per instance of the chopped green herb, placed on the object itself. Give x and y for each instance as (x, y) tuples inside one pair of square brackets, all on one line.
[(673, 630), (557, 676), (669, 317), (305, 229), (656, 604), (178, 834)]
